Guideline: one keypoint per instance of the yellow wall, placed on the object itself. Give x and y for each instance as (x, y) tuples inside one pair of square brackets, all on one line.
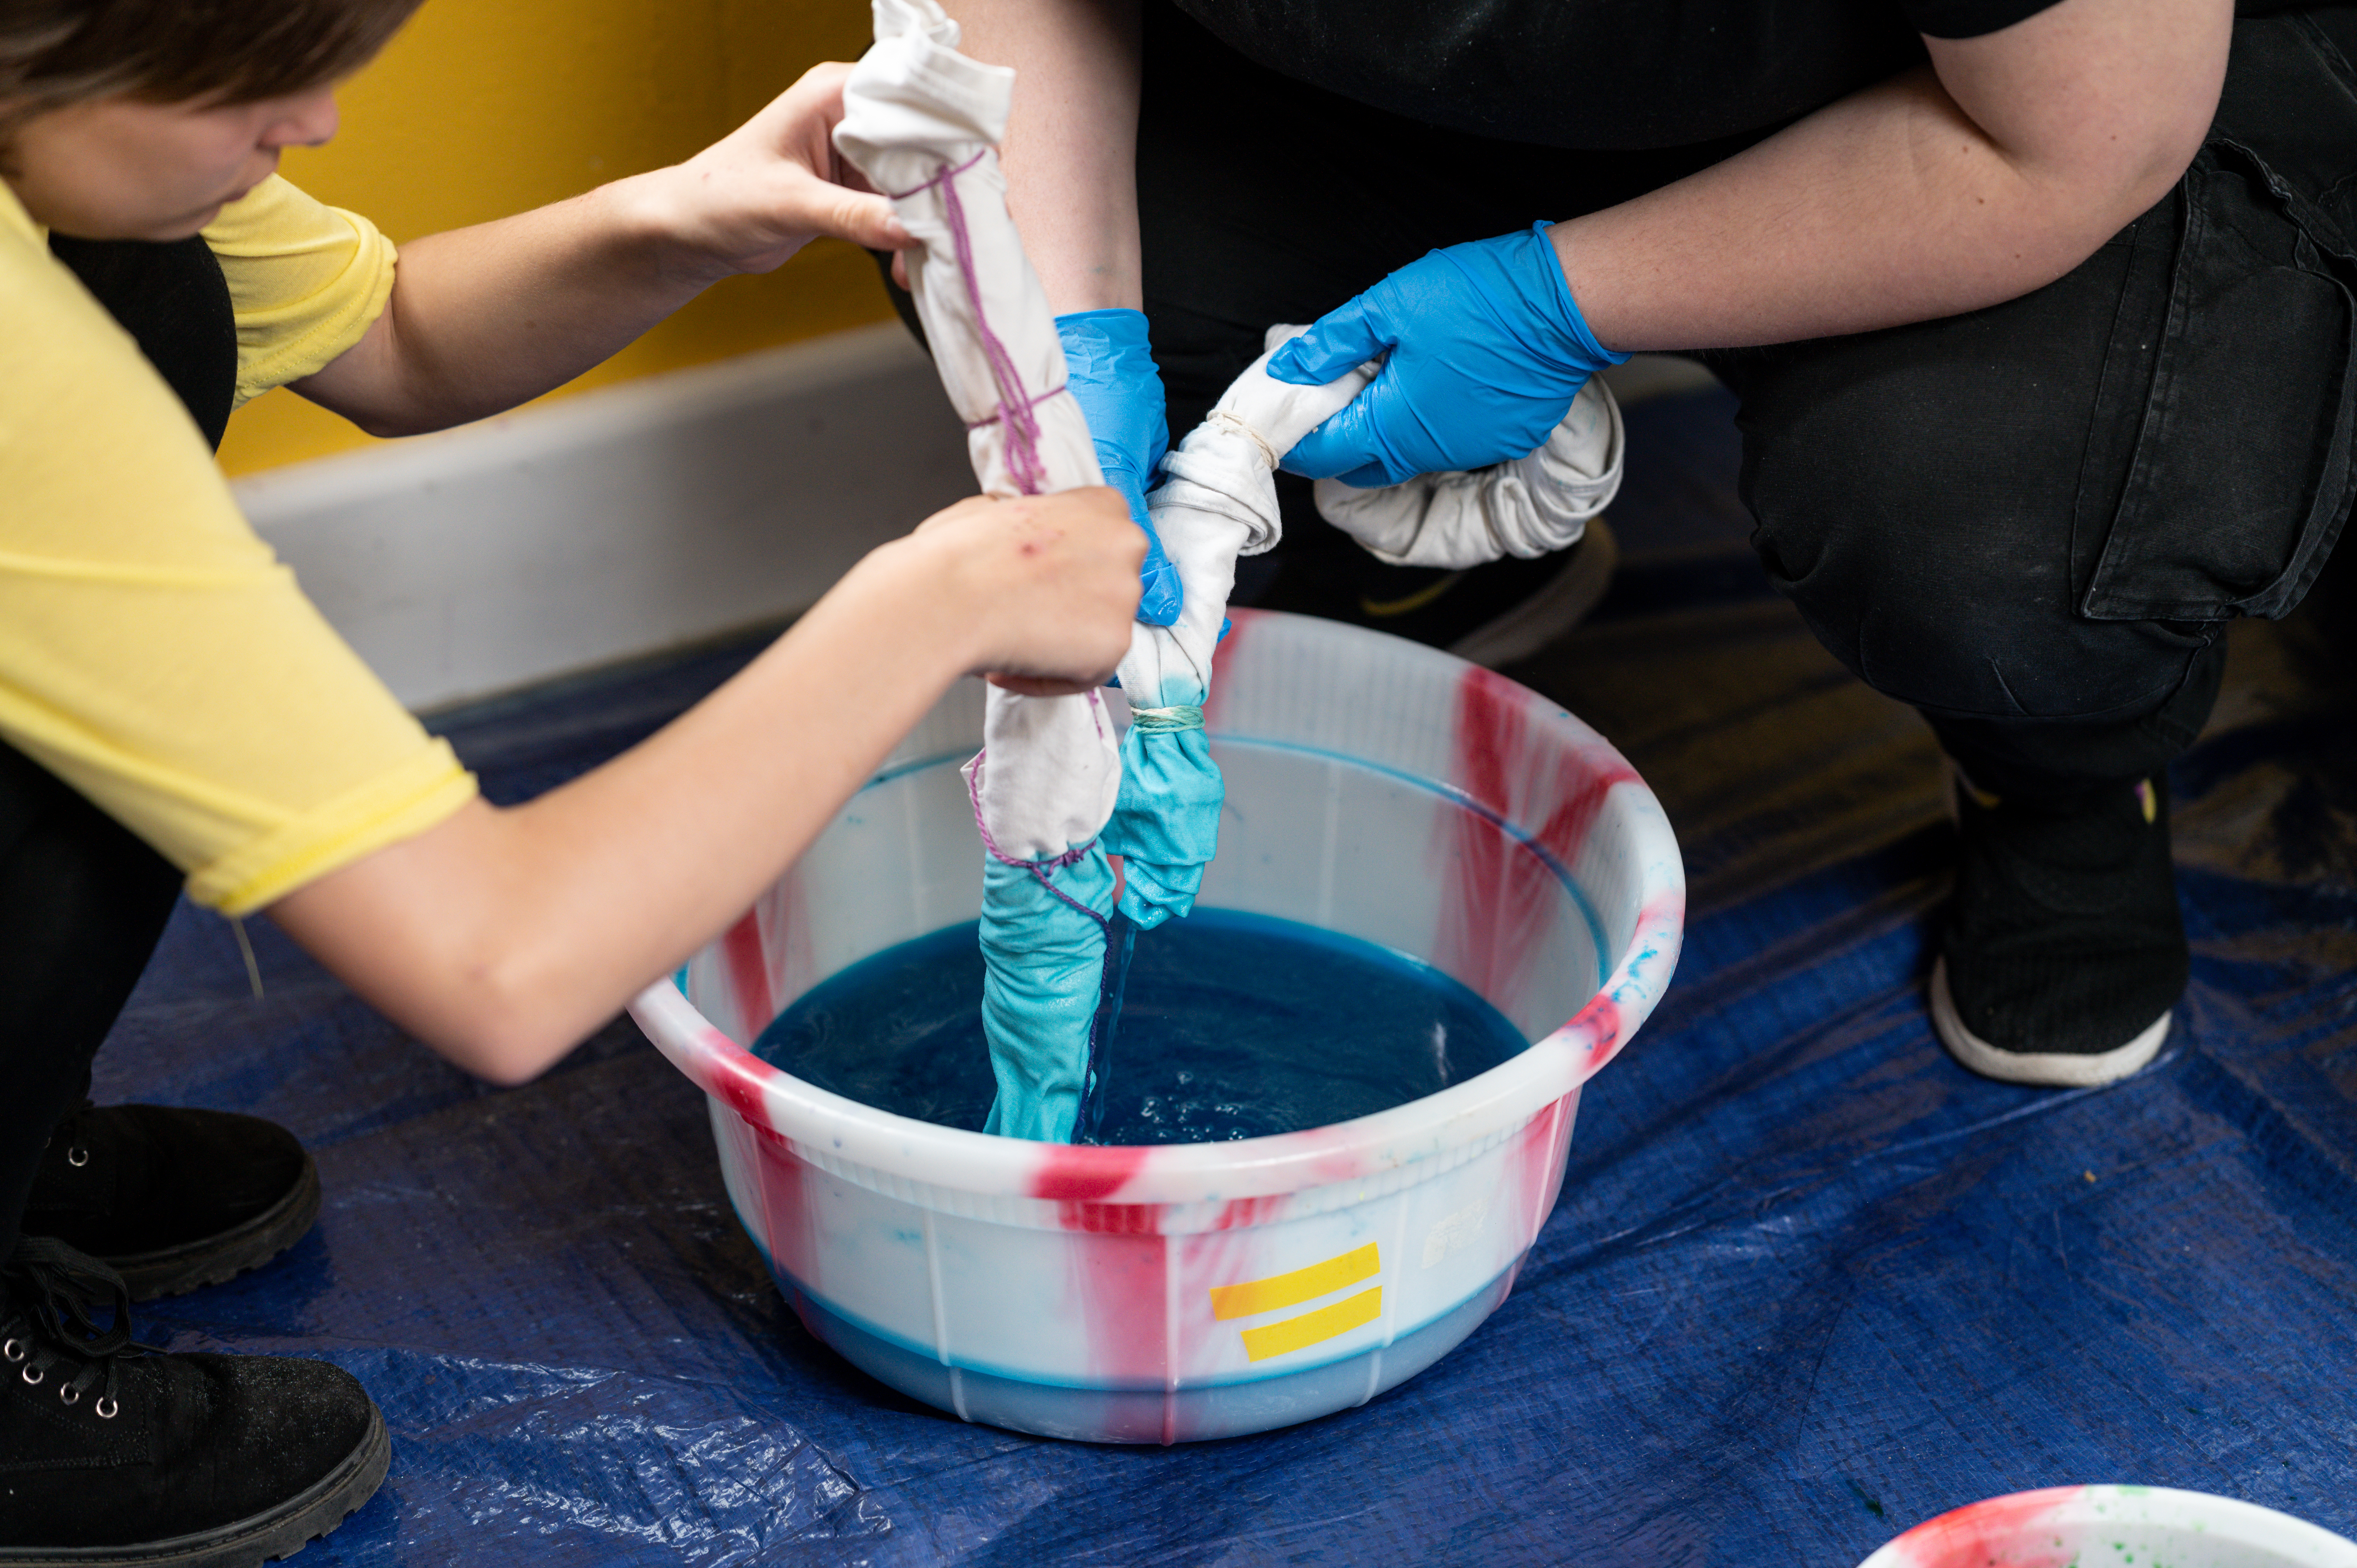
[(481, 108)]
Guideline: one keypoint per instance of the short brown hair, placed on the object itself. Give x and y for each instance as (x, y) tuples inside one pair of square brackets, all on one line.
[(56, 52)]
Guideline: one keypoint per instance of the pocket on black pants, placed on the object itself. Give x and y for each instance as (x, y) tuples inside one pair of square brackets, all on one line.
[(2240, 472)]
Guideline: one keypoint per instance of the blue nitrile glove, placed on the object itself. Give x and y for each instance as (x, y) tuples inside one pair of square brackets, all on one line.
[(1487, 350), (1109, 365)]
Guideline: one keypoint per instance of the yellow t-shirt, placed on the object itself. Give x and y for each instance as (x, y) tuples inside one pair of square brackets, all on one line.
[(153, 653)]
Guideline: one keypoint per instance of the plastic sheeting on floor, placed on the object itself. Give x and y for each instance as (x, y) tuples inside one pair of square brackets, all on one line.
[(1809, 1281)]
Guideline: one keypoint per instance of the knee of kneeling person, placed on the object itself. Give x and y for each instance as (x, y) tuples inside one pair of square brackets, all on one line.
[(2017, 660), (1983, 628)]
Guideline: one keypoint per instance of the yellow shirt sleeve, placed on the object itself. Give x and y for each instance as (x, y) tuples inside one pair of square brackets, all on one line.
[(306, 281), (153, 653)]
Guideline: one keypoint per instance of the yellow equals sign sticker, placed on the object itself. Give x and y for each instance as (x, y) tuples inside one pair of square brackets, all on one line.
[(1255, 1296)]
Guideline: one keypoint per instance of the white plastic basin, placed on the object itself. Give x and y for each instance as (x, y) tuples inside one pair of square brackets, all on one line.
[(2114, 1527), (1162, 1295)]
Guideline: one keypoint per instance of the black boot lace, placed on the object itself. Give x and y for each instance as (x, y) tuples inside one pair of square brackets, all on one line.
[(48, 1332)]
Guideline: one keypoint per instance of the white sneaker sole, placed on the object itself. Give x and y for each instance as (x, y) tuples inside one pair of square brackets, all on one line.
[(2055, 1069), (1554, 610)]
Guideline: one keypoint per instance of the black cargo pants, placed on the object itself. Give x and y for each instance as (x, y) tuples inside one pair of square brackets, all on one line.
[(2030, 522)]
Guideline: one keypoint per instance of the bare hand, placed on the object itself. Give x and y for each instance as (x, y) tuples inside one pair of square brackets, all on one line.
[(751, 199), (1046, 586)]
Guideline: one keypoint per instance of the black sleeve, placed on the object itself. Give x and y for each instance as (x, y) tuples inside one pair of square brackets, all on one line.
[(1968, 18)]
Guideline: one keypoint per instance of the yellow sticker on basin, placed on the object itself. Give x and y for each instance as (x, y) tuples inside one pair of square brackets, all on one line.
[(1313, 1327), (1293, 1289)]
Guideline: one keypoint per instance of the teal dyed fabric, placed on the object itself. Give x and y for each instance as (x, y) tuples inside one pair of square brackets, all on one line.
[(1166, 826), (1043, 934)]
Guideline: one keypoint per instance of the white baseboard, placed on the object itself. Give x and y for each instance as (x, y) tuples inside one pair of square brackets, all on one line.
[(619, 523), (636, 518)]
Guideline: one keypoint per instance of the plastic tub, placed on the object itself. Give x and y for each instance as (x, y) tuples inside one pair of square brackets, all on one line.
[(1162, 1295), (2114, 1527)]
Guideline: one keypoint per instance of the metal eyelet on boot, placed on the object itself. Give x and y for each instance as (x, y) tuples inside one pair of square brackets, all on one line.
[(33, 1375), (106, 1408), (78, 1156), (14, 1350), (68, 1394)]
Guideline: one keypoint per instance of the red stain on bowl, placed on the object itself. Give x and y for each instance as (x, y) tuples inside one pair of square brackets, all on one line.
[(787, 1230), (1223, 660), (2017, 1531), (1598, 1023), (748, 974), (1494, 918), (1243, 1213), (1082, 1172), (738, 1081)]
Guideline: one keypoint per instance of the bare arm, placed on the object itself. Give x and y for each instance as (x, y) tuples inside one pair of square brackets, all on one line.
[(502, 937), (484, 319), (1070, 152), (1992, 174)]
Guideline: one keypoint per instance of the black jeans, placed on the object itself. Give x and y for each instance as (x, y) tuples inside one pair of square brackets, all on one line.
[(2030, 522)]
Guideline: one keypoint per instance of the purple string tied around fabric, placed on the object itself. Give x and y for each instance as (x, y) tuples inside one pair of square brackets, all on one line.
[(1015, 402)]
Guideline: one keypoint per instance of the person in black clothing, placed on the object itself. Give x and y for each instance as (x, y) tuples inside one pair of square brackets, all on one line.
[(2039, 312)]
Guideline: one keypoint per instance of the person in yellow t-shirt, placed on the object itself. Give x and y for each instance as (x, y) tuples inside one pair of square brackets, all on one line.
[(174, 714)]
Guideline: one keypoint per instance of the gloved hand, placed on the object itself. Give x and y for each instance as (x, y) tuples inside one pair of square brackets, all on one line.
[(1486, 351), (1110, 367)]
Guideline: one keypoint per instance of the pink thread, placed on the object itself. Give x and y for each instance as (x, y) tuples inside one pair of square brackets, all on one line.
[(1032, 402), (1038, 868), (945, 173), (1014, 403)]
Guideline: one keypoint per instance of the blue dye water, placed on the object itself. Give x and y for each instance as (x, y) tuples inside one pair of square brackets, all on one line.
[(1232, 1025)]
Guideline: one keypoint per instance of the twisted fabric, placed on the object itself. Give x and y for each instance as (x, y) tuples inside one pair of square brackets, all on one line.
[(1218, 502), (922, 121)]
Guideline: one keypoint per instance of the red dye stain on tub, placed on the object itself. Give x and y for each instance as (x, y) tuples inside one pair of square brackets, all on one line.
[(1079, 1177), (2002, 1532), (786, 1207), (1119, 1274), (1241, 1213), (739, 1087), (1120, 1287), (1494, 917), (783, 1226), (1536, 1162), (1598, 1023), (748, 974), (1223, 660)]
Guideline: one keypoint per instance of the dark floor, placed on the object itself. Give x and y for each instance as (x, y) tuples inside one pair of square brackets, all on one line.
[(1809, 1282)]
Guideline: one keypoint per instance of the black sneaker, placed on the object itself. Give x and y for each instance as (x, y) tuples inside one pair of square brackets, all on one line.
[(1493, 614), (112, 1454), (173, 1199), (2063, 950)]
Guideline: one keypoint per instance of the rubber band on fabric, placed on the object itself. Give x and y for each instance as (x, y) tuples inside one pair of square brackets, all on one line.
[(1178, 716), (1224, 419)]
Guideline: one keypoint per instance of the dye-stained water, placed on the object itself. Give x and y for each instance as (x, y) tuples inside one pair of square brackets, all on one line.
[(1234, 1025)]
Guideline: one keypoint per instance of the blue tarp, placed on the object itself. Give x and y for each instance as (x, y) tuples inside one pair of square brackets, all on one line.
[(1809, 1281)]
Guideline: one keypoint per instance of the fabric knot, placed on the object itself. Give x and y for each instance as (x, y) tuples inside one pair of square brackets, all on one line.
[(1178, 716)]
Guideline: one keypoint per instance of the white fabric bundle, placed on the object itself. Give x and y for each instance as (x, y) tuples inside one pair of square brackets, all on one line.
[(1528, 505), (923, 122), (1218, 502)]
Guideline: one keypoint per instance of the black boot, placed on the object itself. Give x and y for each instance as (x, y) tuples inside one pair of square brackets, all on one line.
[(111, 1454), (173, 1199), (2063, 950)]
